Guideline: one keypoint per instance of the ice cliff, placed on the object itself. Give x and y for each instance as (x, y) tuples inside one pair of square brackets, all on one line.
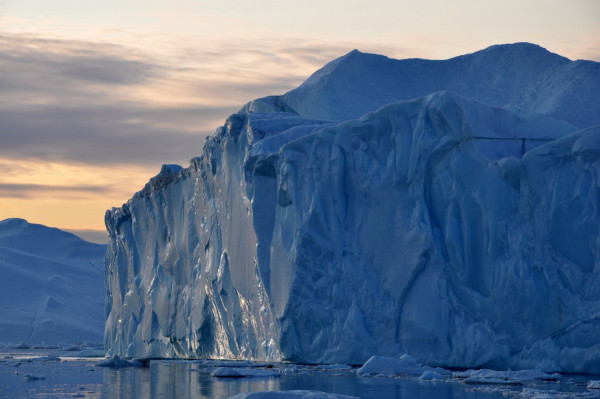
[(448, 209)]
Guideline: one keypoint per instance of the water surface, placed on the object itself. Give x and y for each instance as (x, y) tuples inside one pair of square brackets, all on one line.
[(33, 374)]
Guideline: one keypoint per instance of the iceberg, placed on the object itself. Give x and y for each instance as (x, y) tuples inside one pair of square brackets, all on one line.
[(446, 209)]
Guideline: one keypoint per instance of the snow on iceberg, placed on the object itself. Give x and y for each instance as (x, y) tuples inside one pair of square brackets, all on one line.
[(336, 222)]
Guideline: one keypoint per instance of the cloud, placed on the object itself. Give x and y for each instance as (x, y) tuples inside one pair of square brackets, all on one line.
[(108, 104), (16, 190), (106, 135), (84, 124), (38, 69)]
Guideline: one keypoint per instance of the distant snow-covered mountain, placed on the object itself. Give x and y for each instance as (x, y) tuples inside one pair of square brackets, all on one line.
[(448, 209), (52, 287)]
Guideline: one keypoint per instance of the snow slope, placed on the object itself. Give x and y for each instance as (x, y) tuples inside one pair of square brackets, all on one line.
[(52, 288), (367, 213), (522, 77)]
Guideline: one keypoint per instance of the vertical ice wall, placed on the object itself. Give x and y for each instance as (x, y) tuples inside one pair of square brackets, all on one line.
[(182, 265)]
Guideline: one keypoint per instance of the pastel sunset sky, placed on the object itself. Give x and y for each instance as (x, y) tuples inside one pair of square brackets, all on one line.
[(97, 95)]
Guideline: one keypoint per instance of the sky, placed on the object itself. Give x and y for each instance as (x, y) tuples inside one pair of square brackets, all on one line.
[(96, 95)]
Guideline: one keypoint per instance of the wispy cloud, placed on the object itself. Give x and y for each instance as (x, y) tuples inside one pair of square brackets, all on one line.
[(16, 190), (78, 101), (104, 135), (91, 98), (45, 70), (84, 124)]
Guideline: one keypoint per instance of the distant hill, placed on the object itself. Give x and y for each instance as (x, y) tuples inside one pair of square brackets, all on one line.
[(52, 285)]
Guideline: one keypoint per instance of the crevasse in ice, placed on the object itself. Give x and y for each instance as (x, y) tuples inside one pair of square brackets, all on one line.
[(448, 209)]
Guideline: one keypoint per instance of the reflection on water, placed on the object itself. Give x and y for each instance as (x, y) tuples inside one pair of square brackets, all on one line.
[(80, 377), (173, 379)]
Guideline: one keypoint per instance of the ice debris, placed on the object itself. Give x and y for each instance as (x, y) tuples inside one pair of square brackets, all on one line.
[(594, 384), (119, 362), (406, 365), (430, 375), (295, 394)]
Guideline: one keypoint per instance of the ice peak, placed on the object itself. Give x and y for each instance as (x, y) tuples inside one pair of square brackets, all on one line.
[(353, 53), (14, 222), (522, 77), (520, 49), (169, 169), (18, 232), (525, 56), (168, 173)]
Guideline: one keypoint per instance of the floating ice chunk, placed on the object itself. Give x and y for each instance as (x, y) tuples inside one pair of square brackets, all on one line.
[(594, 384), (119, 362), (431, 376), (391, 366), (296, 394), (227, 372), (235, 372)]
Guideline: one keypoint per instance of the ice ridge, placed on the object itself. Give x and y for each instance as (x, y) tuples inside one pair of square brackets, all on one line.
[(522, 77)]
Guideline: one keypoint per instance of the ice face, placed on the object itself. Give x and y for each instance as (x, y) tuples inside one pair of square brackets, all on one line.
[(462, 233)]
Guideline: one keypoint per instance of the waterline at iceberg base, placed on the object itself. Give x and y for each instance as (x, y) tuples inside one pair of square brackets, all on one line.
[(452, 214)]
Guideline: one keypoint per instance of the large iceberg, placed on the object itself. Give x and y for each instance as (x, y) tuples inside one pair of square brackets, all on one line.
[(448, 209)]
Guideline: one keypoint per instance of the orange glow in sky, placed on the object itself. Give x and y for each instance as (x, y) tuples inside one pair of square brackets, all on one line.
[(98, 95)]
